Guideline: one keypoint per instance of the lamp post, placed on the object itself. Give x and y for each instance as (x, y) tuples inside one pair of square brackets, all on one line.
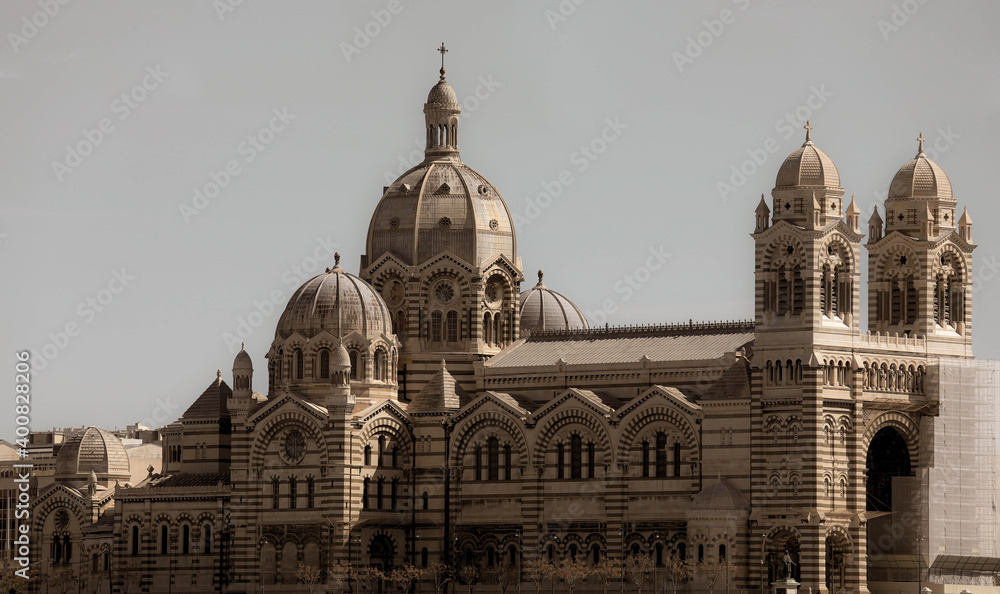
[(517, 534), (763, 556), (621, 539)]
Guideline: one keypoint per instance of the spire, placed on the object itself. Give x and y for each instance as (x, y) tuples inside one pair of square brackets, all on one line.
[(443, 50), (854, 215), (965, 226), (875, 226), (763, 215), (920, 140), (808, 128), (762, 206), (852, 208)]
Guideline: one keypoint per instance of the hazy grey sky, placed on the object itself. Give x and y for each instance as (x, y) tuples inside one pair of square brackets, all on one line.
[(116, 114)]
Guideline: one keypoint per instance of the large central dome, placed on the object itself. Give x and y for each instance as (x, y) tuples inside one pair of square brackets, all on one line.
[(441, 204)]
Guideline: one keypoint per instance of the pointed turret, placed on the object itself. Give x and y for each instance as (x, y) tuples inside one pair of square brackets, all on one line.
[(763, 215), (965, 225), (875, 226), (853, 217)]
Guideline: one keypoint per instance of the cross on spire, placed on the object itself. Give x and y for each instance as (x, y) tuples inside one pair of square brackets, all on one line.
[(808, 128), (921, 139), (443, 51)]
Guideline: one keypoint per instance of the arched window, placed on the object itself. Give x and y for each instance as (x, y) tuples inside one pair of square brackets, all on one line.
[(452, 326), (493, 459), (275, 493), (293, 493), (659, 554), (381, 451), (379, 492), (487, 329), (425, 499), (185, 539), (560, 463), (576, 457), (591, 460), (645, 459), (299, 364), (436, 326), (677, 458), (164, 541), (380, 366), (497, 331), (722, 552), (393, 493), (682, 552), (661, 455), (572, 552), (135, 540), (595, 555), (701, 553), (506, 462), (364, 493), (57, 552), (324, 364), (206, 535), (477, 452), (310, 493), (423, 557), (67, 548), (355, 367), (490, 557), (512, 555), (368, 455)]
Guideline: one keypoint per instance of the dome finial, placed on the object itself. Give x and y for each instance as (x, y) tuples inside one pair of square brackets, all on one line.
[(336, 260), (443, 51), (920, 140), (218, 375), (540, 275), (808, 128)]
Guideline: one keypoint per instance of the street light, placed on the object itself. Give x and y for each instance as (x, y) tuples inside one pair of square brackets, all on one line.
[(763, 555)]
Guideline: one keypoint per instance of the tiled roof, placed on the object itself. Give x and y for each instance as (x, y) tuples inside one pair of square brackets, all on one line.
[(442, 393), (212, 402), (105, 523), (684, 342)]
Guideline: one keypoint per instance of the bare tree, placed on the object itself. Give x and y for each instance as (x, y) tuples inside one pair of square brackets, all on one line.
[(124, 575), (714, 571), (503, 575), (573, 573), (309, 576), (442, 574), (677, 571), (638, 567), (368, 577), (609, 571), (468, 575), (538, 570), (404, 576)]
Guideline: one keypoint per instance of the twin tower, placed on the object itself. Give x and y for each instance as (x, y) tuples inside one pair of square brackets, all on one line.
[(808, 258)]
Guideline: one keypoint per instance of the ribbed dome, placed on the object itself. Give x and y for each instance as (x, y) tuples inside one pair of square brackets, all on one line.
[(719, 496), (544, 309), (920, 178), (92, 450), (438, 206), (808, 166), (341, 358), (442, 96), (337, 302)]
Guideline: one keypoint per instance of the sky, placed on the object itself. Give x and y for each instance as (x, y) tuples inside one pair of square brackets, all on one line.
[(174, 170)]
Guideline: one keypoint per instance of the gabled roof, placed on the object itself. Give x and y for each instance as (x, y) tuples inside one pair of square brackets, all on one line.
[(212, 402)]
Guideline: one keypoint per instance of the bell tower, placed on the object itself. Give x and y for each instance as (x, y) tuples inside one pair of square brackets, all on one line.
[(919, 265)]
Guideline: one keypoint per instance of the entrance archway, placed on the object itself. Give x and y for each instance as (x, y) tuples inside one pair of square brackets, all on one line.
[(838, 553), (888, 457), (380, 553), (778, 545)]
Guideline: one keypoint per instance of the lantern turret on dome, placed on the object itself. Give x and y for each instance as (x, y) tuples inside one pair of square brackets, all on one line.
[(807, 190)]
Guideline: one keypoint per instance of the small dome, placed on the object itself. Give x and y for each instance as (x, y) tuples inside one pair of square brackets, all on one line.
[(335, 302), (442, 96), (341, 358), (544, 309), (719, 496), (920, 178), (242, 362), (808, 166), (92, 450)]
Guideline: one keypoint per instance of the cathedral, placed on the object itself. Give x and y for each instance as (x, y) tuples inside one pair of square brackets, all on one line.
[(428, 410)]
